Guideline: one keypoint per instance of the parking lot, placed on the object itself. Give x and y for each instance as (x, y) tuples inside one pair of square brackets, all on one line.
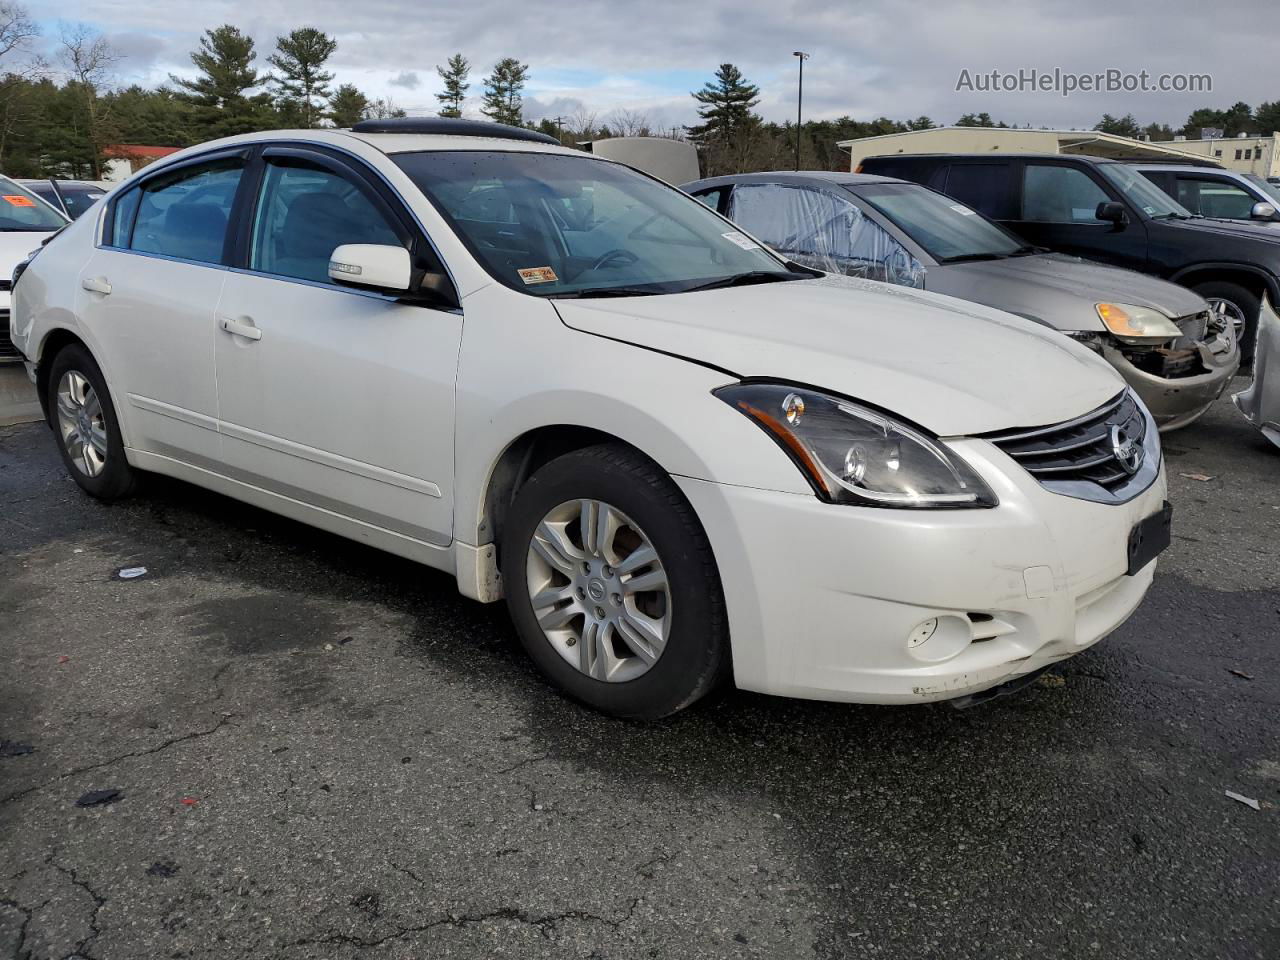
[(323, 751)]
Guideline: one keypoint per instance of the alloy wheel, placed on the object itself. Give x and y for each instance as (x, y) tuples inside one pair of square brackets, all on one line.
[(599, 590), (1229, 311), (81, 424)]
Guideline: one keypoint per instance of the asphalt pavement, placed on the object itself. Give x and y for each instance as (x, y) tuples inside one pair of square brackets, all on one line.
[(323, 751)]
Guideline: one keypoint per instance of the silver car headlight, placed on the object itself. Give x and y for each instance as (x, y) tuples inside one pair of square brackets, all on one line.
[(1129, 322), (851, 453)]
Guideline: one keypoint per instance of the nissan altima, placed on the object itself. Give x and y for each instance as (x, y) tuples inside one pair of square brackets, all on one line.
[(680, 458)]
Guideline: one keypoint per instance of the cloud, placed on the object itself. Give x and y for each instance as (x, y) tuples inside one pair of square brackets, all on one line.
[(406, 78), (868, 59)]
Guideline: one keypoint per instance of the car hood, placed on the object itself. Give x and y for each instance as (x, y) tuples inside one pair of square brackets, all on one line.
[(1059, 290), (955, 368), (14, 247), (1255, 229)]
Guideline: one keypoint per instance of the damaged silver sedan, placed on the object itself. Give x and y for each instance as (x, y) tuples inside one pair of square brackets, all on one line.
[(1164, 339)]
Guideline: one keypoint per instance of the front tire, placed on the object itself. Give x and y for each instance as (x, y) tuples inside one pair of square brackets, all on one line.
[(611, 583), (1241, 306), (85, 426)]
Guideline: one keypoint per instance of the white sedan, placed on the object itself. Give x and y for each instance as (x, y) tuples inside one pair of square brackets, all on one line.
[(680, 458)]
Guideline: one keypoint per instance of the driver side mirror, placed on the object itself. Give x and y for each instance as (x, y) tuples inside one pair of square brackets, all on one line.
[(1263, 211), (1112, 212), (375, 265)]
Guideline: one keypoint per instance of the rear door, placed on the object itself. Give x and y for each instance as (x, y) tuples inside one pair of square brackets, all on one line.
[(148, 295), (337, 397), (1056, 210)]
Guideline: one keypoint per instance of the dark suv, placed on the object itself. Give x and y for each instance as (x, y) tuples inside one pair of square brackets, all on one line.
[(1107, 211)]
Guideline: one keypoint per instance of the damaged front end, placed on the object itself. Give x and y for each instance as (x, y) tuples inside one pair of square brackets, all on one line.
[(1178, 379), (1260, 402)]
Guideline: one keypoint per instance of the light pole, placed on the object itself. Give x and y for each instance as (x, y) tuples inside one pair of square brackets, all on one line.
[(799, 101)]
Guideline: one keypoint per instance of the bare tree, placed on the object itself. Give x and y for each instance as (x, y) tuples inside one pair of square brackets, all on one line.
[(582, 124), (629, 123), (20, 65), (89, 58)]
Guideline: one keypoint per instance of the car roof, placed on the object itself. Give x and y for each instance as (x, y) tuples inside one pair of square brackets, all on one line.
[(794, 177), (1180, 167), (987, 157)]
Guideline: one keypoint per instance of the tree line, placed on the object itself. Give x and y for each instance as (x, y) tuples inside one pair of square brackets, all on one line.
[(65, 126)]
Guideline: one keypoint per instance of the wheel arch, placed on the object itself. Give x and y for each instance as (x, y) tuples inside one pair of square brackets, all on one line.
[(53, 343), (1251, 278)]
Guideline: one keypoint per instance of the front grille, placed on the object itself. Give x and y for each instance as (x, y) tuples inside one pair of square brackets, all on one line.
[(8, 352), (1082, 449)]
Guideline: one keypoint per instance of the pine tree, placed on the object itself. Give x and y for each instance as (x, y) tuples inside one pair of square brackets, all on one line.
[(348, 106), (300, 57), (725, 106), (503, 102), (454, 77), (219, 96)]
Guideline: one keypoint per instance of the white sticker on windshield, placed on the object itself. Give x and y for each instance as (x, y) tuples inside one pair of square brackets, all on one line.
[(742, 240), (962, 209)]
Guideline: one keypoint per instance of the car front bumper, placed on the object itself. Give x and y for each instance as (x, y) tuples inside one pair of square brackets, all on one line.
[(1178, 401), (830, 602)]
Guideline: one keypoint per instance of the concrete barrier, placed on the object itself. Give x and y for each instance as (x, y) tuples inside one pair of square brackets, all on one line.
[(18, 402)]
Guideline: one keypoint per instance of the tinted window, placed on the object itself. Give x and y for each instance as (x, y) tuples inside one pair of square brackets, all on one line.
[(824, 230), (1211, 197), (183, 214), (303, 214), (21, 210), (1052, 194), (986, 187), (80, 199)]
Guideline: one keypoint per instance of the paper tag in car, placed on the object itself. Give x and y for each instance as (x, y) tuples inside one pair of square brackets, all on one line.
[(538, 275), (962, 209), (741, 240), (20, 201)]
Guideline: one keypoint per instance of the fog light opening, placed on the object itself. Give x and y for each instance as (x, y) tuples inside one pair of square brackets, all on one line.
[(922, 632)]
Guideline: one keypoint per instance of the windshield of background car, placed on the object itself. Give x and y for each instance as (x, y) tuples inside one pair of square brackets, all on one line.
[(550, 224), (1141, 192), (79, 199), (21, 210), (944, 227), (1271, 190)]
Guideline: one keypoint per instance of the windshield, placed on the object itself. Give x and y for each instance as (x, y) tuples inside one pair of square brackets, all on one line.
[(1271, 190), (21, 210), (1141, 192), (548, 224), (946, 228), (79, 199)]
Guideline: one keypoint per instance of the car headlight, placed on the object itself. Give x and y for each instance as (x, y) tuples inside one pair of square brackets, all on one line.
[(1136, 323), (851, 453)]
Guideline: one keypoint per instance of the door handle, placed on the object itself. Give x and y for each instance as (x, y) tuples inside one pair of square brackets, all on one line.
[(96, 285), (240, 329)]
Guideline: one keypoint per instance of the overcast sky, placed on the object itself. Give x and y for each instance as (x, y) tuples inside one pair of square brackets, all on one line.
[(869, 59)]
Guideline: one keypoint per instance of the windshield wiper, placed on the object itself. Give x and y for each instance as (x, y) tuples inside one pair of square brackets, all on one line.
[(970, 257), (1029, 250), (745, 279), (594, 292)]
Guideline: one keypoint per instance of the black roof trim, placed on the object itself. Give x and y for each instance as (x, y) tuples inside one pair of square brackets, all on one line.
[(451, 127)]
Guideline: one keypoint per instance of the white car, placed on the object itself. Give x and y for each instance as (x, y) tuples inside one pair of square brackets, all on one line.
[(679, 457), (25, 221)]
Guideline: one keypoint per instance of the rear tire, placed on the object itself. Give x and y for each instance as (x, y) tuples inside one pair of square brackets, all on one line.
[(630, 613), (1241, 302), (85, 426)]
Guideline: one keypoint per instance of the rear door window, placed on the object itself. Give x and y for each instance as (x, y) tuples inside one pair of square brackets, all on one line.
[(183, 214), (1059, 194), (986, 187)]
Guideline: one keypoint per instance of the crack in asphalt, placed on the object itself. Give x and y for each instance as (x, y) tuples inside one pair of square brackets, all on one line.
[(82, 948), (19, 953), (546, 925), (173, 741)]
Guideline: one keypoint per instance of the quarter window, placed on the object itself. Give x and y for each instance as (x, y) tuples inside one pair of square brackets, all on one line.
[(183, 214), (1052, 194), (304, 213)]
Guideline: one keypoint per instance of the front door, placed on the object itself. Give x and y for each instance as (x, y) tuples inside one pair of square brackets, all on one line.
[(339, 398)]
